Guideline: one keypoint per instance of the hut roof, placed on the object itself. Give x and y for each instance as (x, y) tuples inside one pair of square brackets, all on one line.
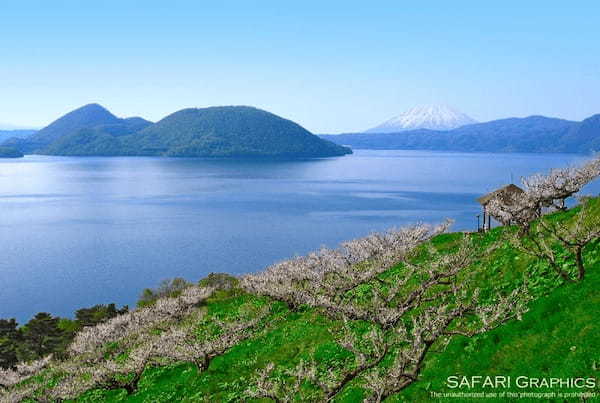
[(508, 190)]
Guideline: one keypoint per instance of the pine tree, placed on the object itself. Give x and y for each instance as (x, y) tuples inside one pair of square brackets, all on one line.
[(42, 336), (9, 337)]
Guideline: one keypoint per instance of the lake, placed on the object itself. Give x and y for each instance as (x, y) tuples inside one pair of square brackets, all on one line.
[(75, 232)]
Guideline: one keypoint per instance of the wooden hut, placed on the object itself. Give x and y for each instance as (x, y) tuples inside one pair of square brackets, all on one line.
[(505, 194)]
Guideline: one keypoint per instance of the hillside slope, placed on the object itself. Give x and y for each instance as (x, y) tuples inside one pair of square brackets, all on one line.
[(90, 115), (8, 152), (101, 140), (584, 136), (555, 339), (229, 131), (255, 348), (68, 135), (17, 133)]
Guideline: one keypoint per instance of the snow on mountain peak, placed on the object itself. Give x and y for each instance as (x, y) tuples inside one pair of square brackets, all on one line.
[(433, 117)]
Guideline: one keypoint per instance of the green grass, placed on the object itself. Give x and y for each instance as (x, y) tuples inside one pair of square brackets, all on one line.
[(559, 337), (298, 335)]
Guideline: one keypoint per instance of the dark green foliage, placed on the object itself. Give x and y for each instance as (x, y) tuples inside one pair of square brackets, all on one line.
[(91, 115), (89, 130), (45, 334), (127, 126), (231, 131), (9, 152), (102, 140), (220, 281), (235, 131), (89, 141), (42, 336), (531, 134), (19, 134), (97, 314), (166, 288), (9, 342), (22, 144)]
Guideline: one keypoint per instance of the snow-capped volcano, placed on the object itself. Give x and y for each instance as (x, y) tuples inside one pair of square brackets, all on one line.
[(434, 117)]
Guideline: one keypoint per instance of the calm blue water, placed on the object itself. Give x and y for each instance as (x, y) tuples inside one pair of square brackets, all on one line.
[(75, 232)]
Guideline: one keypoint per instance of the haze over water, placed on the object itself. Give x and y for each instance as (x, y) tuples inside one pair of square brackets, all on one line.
[(75, 232)]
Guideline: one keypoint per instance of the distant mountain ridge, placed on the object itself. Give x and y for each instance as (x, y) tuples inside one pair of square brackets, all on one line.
[(229, 131), (432, 117), (241, 131), (16, 133), (530, 134)]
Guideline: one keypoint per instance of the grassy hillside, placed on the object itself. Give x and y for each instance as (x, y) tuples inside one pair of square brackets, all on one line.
[(558, 338), (291, 350)]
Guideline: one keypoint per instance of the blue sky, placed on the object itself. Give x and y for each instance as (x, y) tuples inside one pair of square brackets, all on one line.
[(332, 66)]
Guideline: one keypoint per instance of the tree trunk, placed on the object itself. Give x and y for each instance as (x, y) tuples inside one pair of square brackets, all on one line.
[(579, 261), (354, 374), (413, 376)]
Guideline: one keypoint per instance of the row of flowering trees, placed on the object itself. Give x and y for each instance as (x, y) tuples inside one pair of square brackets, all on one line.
[(406, 344), (543, 192), (425, 303), (322, 278), (422, 305), (114, 354), (545, 239)]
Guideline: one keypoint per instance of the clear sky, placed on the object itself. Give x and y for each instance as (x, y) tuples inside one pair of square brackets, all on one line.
[(332, 66)]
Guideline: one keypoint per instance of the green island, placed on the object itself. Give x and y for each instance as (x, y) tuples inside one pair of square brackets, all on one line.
[(215, 132), (399, 316)]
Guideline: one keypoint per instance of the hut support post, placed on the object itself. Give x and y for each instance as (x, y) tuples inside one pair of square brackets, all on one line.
[(484, 219)]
